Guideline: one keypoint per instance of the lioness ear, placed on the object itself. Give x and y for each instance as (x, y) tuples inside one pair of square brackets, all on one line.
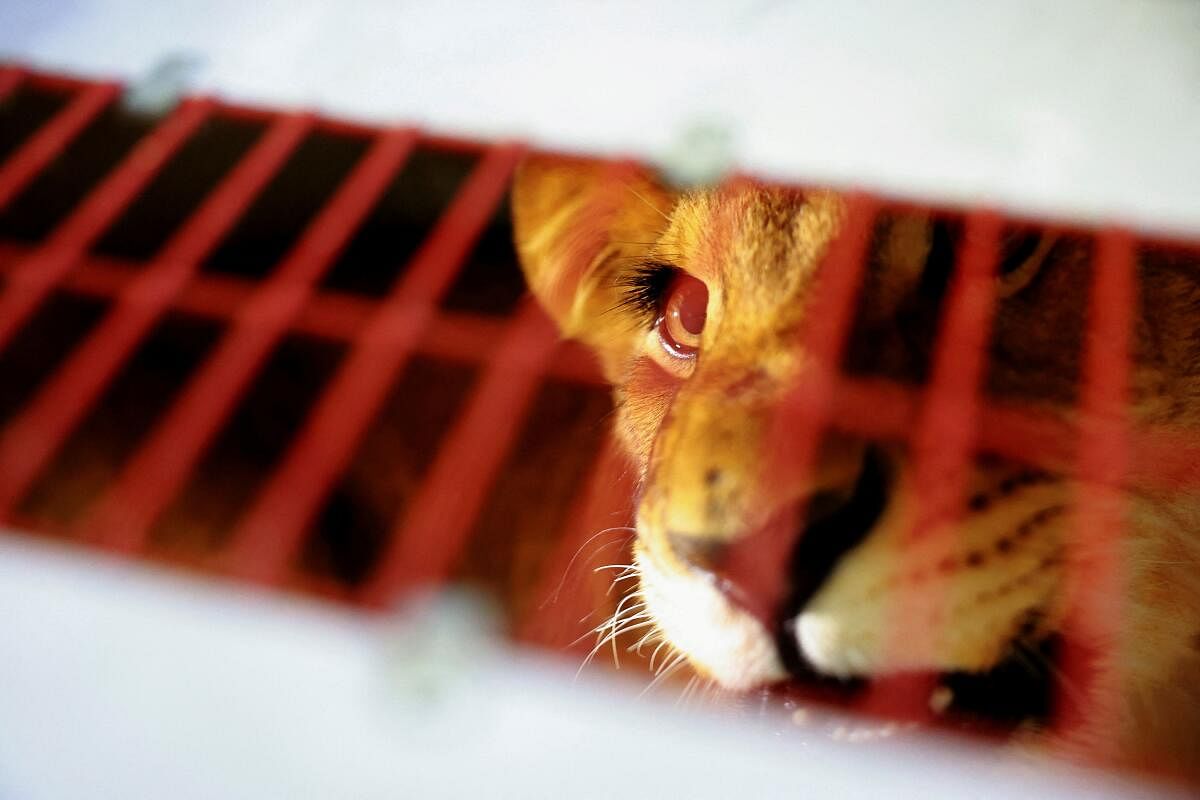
[(578, 222)]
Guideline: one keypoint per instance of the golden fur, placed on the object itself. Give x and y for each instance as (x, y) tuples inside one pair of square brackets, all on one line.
[(695, 431)]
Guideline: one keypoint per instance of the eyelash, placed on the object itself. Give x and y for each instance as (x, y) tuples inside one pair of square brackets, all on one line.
[(645, 287)]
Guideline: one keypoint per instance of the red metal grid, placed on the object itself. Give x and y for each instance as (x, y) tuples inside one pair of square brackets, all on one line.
[(31, 439), (123, 516), (265, 541), (337, 316), (33, 280), (946, 424)]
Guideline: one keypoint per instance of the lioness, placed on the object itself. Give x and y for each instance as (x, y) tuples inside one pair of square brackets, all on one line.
[(694, 302)]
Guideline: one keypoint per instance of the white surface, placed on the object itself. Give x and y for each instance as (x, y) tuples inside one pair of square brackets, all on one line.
[(1082, 107), (118, 681)]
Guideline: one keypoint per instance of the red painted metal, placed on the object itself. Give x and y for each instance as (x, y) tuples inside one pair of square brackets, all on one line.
[(265, 540), (11, 78), (31, 439), (52, 138), (37, 276), (1095, 579), (944, 441), (121, 518), (434, 530)]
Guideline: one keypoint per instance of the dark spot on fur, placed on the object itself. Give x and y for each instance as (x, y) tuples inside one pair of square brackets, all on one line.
[(975, 558), (1050, 560), (1030, 624), (978, 502), (1004, 545), (712, 476)]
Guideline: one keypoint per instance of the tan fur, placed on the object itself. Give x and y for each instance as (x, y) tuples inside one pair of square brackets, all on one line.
[(696, 433)]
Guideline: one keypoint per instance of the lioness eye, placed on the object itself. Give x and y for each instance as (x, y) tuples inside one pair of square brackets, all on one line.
[(683, 316)]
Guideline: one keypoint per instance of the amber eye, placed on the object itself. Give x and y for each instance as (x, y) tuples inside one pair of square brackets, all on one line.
[(683, 316)]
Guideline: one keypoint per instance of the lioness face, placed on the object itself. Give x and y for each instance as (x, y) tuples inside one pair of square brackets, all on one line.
[(697, 305)]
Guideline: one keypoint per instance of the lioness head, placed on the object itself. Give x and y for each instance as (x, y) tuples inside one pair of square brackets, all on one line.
[(695, 303)]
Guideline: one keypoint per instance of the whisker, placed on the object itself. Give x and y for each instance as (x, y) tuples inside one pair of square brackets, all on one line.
[(562, 581)]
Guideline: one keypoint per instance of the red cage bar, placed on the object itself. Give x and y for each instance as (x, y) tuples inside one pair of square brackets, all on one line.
[(947, 423), (1093, 551)]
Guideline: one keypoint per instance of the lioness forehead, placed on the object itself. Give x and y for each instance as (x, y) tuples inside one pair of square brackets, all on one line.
[(759, 247)]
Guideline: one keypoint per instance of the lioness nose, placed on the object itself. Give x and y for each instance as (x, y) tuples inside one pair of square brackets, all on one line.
[(751, 570)]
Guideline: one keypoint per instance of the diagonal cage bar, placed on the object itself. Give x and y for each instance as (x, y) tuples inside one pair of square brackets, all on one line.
[(433, 531), (1093, 547), (33, 280), (28, 442), (266, 538), (122, 517), (52, 138), (943, 442)]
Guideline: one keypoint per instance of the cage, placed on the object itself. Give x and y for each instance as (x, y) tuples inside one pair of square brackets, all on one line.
[(271, 349)]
